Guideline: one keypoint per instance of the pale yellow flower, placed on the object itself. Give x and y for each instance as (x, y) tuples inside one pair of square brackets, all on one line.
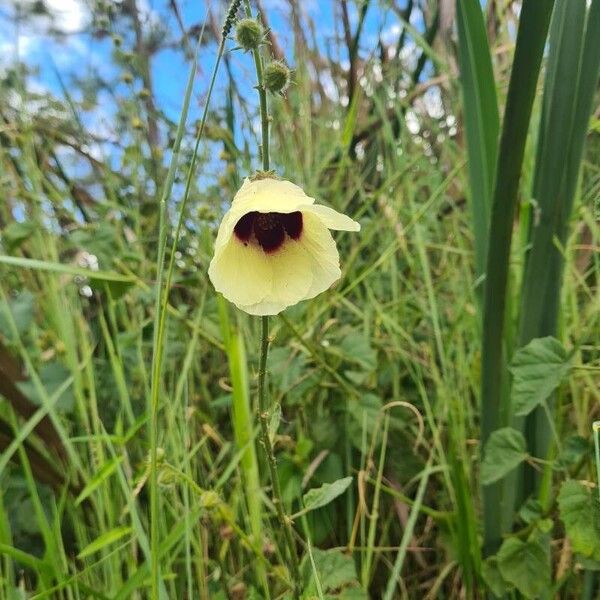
[(274, 247)]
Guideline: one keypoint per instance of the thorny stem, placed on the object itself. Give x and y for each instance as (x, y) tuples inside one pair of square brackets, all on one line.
[(284, 521)]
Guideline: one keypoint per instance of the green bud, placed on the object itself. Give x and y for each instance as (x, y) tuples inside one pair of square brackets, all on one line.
[(276, 77), (248, 34)]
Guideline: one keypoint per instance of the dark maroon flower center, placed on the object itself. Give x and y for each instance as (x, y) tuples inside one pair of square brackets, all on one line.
[(269, 229)]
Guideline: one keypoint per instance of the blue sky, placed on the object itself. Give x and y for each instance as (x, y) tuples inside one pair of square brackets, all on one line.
[(78, 53)]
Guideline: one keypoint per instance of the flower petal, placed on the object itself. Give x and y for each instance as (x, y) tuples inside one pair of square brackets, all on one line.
[(292, 273), (320, 244), (241, 273), (332, 219), (292, 268), (263, 308), (271, 195)]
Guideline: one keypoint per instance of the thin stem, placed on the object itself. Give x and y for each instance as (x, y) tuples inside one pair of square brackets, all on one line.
[(284, 521), (596, 429), (262, 98)]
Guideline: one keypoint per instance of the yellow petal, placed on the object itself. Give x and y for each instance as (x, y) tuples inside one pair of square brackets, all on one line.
[(241, 273), (320, 245), (333, 219), (292, 273), (292, 277), (263, 308), (269, 195)]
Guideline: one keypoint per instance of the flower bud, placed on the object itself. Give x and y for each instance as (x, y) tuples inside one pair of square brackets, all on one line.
[(248, 34), (126, 77), (276, 77)]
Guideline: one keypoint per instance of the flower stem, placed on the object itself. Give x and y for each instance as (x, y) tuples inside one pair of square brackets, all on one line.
[(263, 409), (284, 521)]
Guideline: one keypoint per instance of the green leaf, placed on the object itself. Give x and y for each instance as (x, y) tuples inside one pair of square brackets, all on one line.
[(335, 571), (115, 281), (53, 376), (356, 348), (21, 309), (482, 121), (505, 450), (569, 93), (574, 450), (534, 21), (107, 469), (321, 496), (493, 578), (580, 513), (537, 368), (526, 565), (110, 537)]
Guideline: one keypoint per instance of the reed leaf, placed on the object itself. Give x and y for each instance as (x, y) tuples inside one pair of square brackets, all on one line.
[(531, 39), (482, 121), (568, 95)]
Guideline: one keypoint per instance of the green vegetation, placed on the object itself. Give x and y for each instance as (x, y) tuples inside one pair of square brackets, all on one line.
[(430, 417)]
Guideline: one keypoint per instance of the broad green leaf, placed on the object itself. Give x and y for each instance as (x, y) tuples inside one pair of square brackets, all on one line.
[(356, 348), (493, 578), (526, 565), (110, 537), (580, 513), (335, 570), (53, 376), (21, 308), (537, 368), (574, 449), (325, 494), (505, 450)]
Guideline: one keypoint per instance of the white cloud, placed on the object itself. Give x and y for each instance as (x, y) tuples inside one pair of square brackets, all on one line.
[(69, 16), (33, 37)]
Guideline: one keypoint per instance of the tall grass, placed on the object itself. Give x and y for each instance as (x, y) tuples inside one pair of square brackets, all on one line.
[(159, 485)]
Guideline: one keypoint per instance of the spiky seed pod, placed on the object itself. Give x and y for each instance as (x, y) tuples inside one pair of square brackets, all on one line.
[(248, 34), (276, 77)]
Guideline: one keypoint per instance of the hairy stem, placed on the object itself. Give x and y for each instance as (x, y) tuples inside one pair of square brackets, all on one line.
[(263, 408)]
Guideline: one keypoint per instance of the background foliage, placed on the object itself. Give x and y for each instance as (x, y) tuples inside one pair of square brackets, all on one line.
[(395, 117)]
